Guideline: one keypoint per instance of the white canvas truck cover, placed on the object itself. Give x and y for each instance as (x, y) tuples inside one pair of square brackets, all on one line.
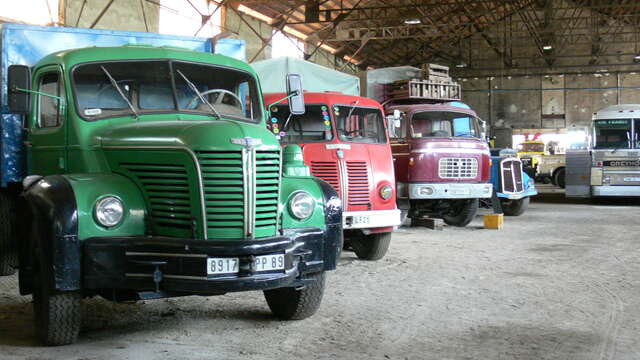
[(315, 78)]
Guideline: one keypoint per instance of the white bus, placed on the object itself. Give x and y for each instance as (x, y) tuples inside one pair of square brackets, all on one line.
[(610, 166)]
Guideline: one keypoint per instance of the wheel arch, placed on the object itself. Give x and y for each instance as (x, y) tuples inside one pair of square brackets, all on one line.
[(62, 207)]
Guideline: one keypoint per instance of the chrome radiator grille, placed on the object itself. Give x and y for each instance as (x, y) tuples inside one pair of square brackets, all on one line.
[(511, 174), (239, 201), (457, 168)]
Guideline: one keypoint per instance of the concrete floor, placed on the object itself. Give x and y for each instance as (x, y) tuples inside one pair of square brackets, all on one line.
[(560, 282)]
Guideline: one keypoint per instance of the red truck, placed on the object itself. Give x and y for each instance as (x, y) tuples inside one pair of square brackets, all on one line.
[(442, 161), (345, 143)]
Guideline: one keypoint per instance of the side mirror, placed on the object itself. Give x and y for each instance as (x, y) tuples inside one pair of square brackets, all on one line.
[(19, 85), (294, 90)]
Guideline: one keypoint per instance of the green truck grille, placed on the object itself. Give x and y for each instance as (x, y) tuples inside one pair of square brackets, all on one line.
[(166, 187), (267, 190), (239, 202)]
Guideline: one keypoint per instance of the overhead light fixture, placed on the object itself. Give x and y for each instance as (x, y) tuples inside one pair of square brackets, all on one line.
[(547, 47), (413, 21), (461, 65), (636, 58)]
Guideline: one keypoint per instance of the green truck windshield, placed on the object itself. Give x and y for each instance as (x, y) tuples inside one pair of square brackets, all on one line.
[(612, 134), (111, 89)]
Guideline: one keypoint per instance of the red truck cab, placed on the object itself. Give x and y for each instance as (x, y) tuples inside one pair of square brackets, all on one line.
[(442, 163), (344, 142)]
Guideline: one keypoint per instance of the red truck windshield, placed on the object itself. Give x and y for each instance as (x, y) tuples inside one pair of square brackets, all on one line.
[(309, 127), (444, 124), (359, 124)]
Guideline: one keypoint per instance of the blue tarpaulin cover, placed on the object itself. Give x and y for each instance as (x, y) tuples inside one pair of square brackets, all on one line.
[(26, 45)]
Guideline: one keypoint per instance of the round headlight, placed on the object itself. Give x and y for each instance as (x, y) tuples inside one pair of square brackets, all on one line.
[(386, 192), (301, 205), (109, 211)]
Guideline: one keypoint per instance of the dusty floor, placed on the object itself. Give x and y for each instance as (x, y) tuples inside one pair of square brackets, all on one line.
[(560, 282)]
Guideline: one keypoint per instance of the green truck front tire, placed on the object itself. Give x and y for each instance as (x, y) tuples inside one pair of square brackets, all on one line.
[(57, 314), (8, 254), (289, 303)]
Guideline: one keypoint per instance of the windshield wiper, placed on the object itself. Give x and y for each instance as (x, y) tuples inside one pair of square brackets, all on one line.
[(353, 107), (124, 97), (195, 90)]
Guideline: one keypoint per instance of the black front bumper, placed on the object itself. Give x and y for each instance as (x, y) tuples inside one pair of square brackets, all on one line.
[(127, 263)]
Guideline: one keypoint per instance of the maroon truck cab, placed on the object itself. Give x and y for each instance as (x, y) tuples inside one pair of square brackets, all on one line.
[(344, 142), (442, 163)]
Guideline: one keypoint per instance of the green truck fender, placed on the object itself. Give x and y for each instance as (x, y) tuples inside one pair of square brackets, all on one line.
[(327, 215), (59, 215)]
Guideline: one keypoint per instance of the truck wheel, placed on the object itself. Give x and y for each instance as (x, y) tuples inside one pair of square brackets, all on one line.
[(296, 304), (462, 212), (57, 314), (371, 247), (559, 177), (514, 207), (8, 253)]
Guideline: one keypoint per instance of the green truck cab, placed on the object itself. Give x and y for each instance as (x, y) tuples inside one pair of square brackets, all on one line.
[(152, 175)]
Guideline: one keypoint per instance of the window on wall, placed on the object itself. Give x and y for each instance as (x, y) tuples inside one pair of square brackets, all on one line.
[(283, 45), (185, 18), (39, 12)]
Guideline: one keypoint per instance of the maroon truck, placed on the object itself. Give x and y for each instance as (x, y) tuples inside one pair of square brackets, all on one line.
[(442, 161)]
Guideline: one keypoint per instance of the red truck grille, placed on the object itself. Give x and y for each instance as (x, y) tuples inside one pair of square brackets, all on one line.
[(358, 183), (327, 171)]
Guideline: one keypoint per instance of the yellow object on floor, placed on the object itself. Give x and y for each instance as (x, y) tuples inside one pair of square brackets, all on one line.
[(493, 221)]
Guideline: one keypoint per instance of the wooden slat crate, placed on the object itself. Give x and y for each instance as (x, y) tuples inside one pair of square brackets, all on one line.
[(424, 89)]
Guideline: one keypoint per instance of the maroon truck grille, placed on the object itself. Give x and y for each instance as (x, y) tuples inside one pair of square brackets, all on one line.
[(327, 171), (358, 183)]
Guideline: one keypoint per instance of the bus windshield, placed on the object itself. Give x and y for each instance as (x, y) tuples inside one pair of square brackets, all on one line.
[(612, 134), (444, 124)]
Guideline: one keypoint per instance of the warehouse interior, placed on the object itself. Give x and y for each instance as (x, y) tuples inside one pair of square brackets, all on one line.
[(555, 282)]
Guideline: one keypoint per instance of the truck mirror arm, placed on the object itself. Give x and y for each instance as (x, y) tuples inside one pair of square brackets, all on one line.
[(290, 95), (17, 89)]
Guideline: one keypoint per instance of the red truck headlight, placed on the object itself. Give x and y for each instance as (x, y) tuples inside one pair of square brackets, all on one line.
[(386, 192)]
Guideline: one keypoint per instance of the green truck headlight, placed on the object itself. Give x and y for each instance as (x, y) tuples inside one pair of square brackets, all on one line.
[(386, 192), (109, 211), (301, 205)]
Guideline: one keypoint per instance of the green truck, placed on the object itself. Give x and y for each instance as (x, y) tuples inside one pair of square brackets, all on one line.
[(151, 174)]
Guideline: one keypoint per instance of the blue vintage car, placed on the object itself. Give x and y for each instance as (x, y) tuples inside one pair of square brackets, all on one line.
[(512, 186)]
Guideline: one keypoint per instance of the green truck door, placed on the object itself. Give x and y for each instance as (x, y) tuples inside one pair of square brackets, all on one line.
[(47, 126)]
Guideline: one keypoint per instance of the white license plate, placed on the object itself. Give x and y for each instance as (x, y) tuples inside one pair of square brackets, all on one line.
[(230, 266), (631, 179), (360, 220), (460, 191)]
